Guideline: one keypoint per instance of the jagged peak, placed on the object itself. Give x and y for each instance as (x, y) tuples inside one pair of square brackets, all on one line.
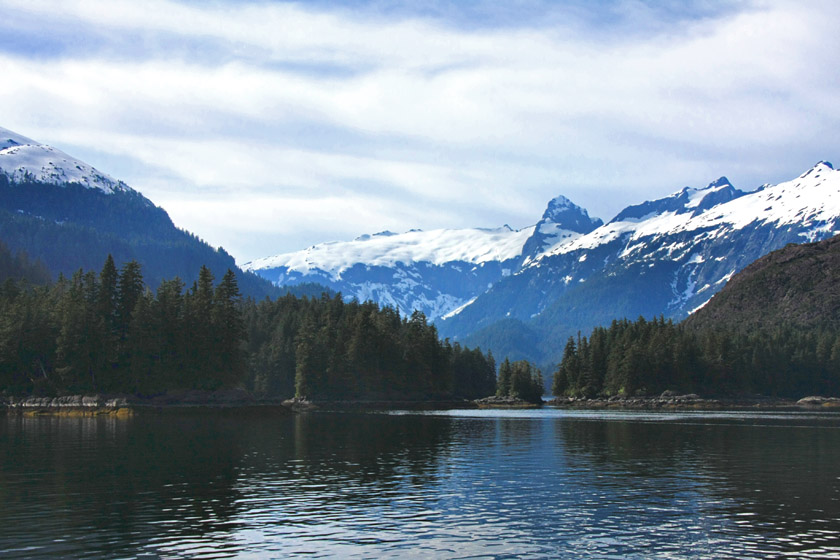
[(560, 202), (718, 183), (385, 233), (565, 213), (818, 167), (687, 199)]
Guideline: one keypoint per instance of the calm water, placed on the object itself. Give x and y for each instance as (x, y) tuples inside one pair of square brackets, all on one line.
[(462, 484)]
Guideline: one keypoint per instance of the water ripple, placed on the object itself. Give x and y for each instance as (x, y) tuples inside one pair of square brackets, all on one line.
[(471, 484)]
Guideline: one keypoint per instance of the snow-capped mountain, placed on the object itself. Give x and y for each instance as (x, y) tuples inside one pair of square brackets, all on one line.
[(562, 221), (24, 159), (522, 293), (436, 272), (667, 256), (70, 215)]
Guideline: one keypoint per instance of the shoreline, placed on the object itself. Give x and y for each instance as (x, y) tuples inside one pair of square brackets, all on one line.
[(219, 401), (695, 402), (239, 401)]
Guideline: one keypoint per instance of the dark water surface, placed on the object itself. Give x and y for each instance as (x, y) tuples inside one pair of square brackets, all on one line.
[(461, 484)]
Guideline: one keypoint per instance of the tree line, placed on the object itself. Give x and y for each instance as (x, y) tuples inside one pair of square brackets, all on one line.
[(325, 348), (108, 332), (652, 356)]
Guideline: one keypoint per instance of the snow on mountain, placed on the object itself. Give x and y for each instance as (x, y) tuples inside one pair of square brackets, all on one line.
[(437, 272), (22, 158), (561, 222), (433, 271), (667, 256), (70, 216), (811, 198), (386, 249), (570, 272)]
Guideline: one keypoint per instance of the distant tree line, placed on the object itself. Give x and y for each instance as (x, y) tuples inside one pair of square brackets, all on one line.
[(651, 356), (325, 348), (108, 332)]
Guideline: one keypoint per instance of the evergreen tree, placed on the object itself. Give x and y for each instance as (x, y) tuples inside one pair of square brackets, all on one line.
[(567, 369), (505, 374), (129, 289)]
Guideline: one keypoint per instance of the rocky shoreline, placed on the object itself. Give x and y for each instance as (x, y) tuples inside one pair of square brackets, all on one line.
[(127, 405), (238, 399), (504, 402), (70, 405), (221, 400), (691, 401)]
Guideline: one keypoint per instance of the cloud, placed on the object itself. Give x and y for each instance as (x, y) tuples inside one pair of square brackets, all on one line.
[(434, 117)]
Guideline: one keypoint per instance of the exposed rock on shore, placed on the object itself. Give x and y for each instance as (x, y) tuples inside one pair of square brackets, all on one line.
[(819, 401), (673, 400), (504, 402), (70, 405)]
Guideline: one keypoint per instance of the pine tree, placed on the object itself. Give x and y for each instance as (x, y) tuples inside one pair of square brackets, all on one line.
[(129, 289), (228, 331), (505, 374), (566, 370)]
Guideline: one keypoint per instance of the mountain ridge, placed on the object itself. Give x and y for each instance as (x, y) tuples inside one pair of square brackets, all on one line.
[(666, 256), (23, 159), (435, 271), (70, 216), (669, 263), (797, 285)]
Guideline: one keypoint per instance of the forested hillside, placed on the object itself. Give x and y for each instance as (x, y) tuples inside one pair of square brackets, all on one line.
[(798, 285), (108, 332), (18, 266), (70, 226), (648, 357), (772, 330)]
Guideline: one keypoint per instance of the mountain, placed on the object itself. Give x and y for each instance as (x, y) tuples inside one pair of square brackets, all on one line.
[(798, 285), (70, 215), (667, 256), (436, 272), (521, 293)]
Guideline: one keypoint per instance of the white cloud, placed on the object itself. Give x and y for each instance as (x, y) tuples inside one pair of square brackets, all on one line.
[(430, 124)]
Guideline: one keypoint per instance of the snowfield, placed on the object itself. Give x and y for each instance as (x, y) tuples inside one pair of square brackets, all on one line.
[(22, 158)]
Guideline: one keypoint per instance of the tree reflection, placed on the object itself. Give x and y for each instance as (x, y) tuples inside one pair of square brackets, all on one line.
[(777, 477)]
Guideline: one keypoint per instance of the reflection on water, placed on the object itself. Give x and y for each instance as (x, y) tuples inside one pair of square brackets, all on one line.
[(461, 484)]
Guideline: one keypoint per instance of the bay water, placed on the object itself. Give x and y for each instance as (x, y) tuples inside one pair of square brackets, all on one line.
[(260, 483)]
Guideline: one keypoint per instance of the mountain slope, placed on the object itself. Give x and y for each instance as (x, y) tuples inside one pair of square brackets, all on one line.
[(70, 216), (25, 160), (798, 285), (436, 272), (432, 271), (662, 257)]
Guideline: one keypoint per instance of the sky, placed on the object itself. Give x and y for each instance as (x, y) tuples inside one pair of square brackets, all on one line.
[(266, 127)]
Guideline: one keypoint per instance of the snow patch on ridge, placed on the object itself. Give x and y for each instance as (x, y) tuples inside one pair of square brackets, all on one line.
[(459, 309), (437, 247), (22, 158), (812, 198)]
